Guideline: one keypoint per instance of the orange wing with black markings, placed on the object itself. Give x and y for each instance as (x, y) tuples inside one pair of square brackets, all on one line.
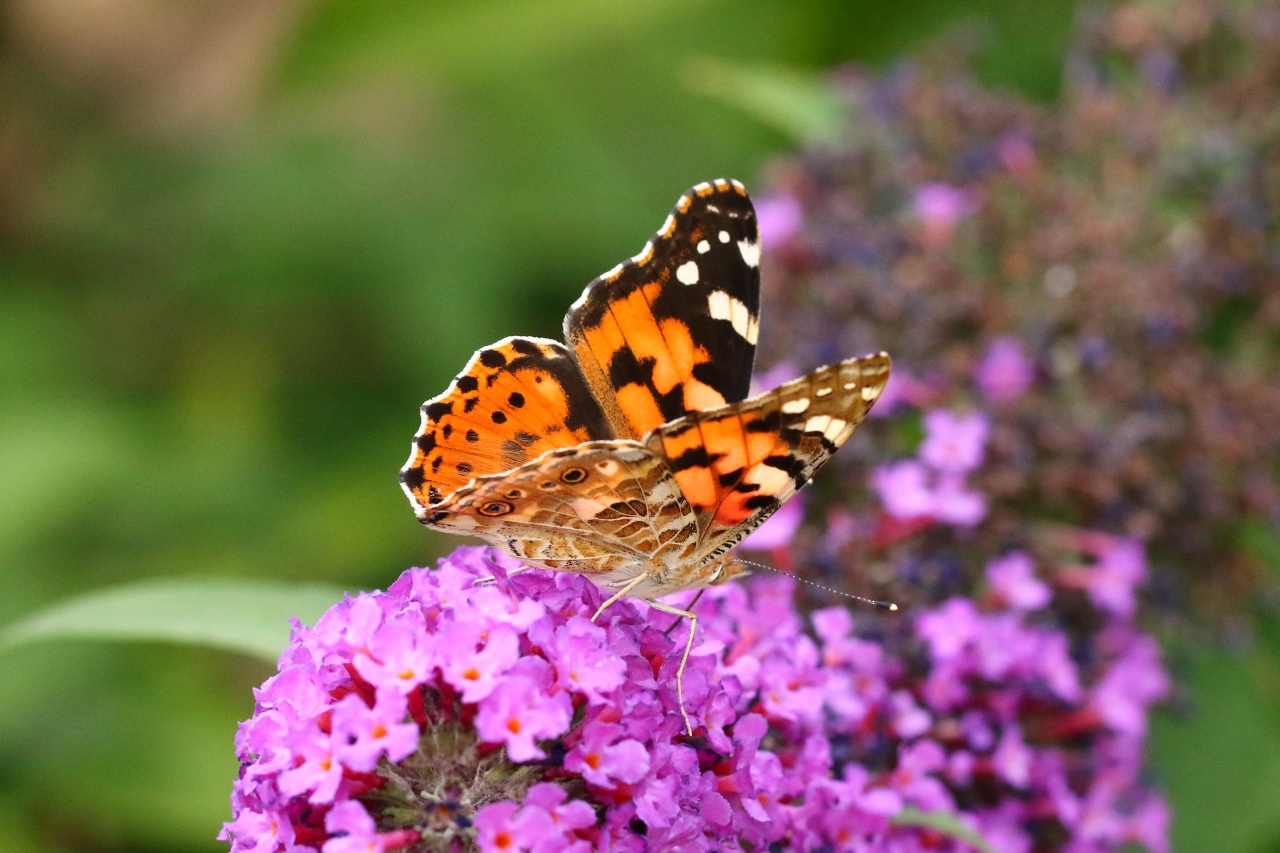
[(513, 401), (737, 464), (673, 330)]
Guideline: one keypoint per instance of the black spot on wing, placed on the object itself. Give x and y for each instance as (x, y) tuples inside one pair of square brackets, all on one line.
[(467, 384), (770, 422), (625, 369), (413, 477), (728, 479), (792, 465), (492, 358), (694, 457)]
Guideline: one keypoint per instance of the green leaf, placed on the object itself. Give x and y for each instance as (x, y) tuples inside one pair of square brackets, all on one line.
[(226, 613), (461, 39), (946, 823), (1219, 754), (803, 106)]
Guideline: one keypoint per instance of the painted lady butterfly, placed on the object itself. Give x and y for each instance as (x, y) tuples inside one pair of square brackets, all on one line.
[(632, 455)]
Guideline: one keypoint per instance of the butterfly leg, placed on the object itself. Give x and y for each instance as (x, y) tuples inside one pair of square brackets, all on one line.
[(631, 584), (692, 604), (688, 647), (513, 572)]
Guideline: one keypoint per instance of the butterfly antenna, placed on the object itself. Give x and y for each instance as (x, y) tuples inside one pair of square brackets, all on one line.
[(883, 605)]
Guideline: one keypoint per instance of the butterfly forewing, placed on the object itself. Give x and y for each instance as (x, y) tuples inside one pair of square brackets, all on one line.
[(738, 463), (673, 330), (514, 401)]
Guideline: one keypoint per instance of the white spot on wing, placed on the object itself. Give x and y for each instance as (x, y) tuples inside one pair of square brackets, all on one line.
[(834, 430), (750, 252), (722, 306), (645, 254), (870, 392), (718, 305), (817, 423), (724, 236), (687, 273), (586, 508), (770, 480), (795, 407), (740, 317), (703, 247), (822, 392), (608, 467)]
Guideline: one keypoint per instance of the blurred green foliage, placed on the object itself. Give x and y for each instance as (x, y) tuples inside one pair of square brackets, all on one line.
[(219, 315)]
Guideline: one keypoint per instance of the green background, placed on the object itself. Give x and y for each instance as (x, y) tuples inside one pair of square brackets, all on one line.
[(241, 242)]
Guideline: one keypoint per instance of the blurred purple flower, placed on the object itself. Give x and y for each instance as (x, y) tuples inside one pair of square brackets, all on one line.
[(1017, 155), (940, 207), (1013, 578), (1130, 685), (779, 218), (1005, 373), (903, 489), (1121, 567), (955, 503), (954, 443)]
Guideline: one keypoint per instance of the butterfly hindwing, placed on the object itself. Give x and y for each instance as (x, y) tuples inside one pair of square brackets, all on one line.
[(594, 509), (738, 463), (673, 330), (512, 402)]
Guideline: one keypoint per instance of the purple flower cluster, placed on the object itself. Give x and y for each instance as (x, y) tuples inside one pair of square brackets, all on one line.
[(1006, 255), (933, 485), (444, 714)]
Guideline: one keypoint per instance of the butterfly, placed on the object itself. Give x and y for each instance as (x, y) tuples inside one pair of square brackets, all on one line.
[(632, 455)]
